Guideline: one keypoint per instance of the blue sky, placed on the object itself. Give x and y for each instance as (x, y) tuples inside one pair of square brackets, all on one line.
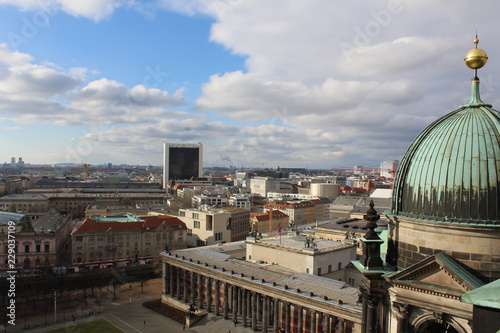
[(283, 83)]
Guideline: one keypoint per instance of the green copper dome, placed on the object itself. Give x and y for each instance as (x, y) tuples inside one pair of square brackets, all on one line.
[(451, 171)]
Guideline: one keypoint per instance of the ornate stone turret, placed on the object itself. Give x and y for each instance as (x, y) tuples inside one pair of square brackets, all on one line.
[(370, 258)]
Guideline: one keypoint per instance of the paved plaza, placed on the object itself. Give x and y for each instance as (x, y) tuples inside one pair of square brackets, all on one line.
[(129, 315)]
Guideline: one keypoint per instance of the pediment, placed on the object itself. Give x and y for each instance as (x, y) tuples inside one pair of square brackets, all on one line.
[(438, 271)]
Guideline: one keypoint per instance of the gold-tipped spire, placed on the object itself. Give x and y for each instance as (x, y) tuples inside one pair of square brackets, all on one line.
[(476, 58)]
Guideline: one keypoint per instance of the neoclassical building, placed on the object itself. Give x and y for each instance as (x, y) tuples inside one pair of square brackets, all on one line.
[(267, 297)]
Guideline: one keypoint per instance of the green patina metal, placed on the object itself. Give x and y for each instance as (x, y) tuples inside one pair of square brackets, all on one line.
[(451, 171), (487, 295)]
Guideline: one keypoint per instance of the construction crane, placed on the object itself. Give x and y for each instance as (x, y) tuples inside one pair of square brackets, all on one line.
[(86, 170)]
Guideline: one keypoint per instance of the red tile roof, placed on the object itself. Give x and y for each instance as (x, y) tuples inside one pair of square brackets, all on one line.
[(151, 222)]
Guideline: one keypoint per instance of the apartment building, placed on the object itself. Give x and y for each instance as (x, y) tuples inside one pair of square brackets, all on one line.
[(269, 222), (111, 241), (40, 244), (206, 227), (299, 212), (75, 201)]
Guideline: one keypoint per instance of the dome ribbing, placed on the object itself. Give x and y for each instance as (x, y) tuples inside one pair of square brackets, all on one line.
[(451, 171)]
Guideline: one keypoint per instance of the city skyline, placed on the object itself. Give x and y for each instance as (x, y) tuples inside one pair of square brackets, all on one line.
[(302, 84)]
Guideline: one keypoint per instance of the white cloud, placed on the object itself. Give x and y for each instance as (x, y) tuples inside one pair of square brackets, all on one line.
[(91, 9), (8, 58), (251, 98), (324, 83), (57, 96), (393, 58)]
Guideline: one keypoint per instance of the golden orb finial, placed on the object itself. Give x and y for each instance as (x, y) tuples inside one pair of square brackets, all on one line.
[(476, 58)]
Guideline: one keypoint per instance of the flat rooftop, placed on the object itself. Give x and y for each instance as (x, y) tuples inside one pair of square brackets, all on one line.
[(219, 258), (298, 244)]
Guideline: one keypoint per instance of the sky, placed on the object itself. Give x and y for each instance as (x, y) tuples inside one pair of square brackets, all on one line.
[(261, 83)]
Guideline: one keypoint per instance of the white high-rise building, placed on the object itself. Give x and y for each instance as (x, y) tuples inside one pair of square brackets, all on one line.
[(388, 168), (181, 161)]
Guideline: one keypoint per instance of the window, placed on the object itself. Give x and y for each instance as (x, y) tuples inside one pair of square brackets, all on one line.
[(46, 247), (27, 248), (319, 271), (79, 238), (91, 239), (196, 215), (218, 236), (38, 248), (329, 268), (307, 270), (190, 232), (197, 224), (340, 266), (182, 213)]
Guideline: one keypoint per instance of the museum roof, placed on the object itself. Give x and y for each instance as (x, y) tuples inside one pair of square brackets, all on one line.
[(216, 257)]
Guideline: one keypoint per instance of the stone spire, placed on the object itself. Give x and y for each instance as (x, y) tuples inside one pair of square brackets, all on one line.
[(370, 258)]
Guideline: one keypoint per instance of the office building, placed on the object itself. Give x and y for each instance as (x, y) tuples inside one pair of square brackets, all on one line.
[(388, 168), (181, 162)]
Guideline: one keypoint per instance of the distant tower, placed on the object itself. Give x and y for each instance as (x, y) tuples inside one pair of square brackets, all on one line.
[(181, 161), (12, 162), (388, 168), (357, 170)]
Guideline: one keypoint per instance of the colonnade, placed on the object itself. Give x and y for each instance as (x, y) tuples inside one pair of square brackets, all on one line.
[(245, 307)]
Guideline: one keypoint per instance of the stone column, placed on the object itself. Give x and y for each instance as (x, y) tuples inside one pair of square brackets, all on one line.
[(401, 316), (300, 320), (249, 304), (172, 281), (179, 275), (240, 301), (194, 277), (244, 308), (200, 290), (276, 319), (363, 296), (341, 325), (265, 314), (254, 310), (328, 323), (234, 304), (209, 294), (313, 321), (259, 308), (319, 326), (217, 297), (372, 302), (185, 282), (226, 301), (287, 316), (166, 278)]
